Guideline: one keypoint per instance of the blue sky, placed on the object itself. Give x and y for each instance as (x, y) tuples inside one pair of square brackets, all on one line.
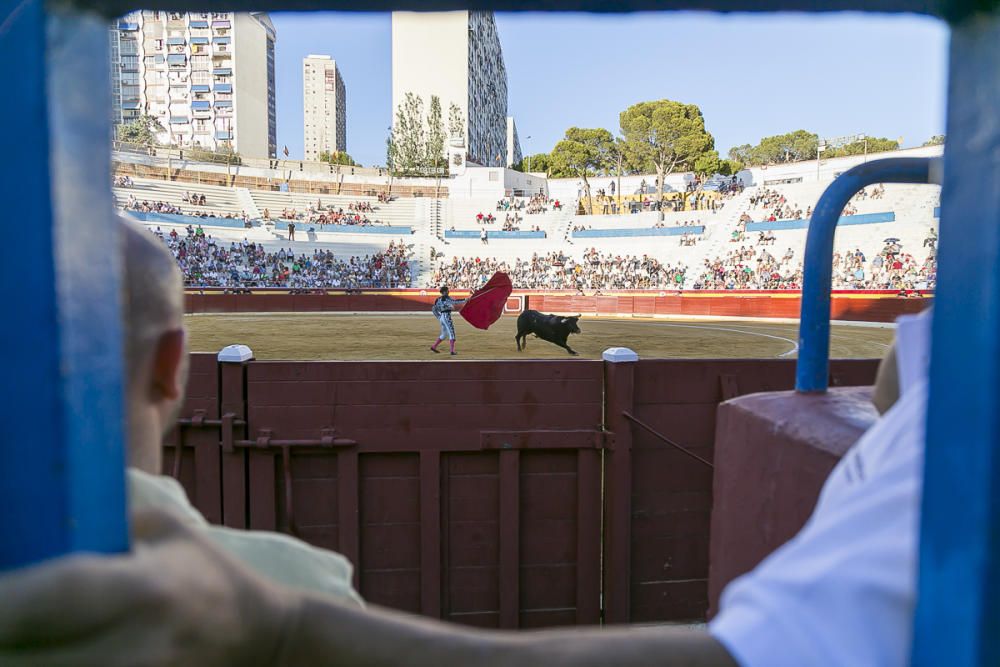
[(752, 76)]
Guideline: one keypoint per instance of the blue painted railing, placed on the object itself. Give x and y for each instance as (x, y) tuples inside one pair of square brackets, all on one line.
[(780, 225), (474, 234), (637, 231), (302, 227), (937, 211), (178, 219), (812, 371)]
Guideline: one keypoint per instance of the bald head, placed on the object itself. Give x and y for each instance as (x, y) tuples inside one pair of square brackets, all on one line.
[(153, 291), (156, 357)]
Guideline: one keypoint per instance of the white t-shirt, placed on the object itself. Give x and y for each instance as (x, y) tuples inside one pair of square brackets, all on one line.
[(281, 558), (843, 591)]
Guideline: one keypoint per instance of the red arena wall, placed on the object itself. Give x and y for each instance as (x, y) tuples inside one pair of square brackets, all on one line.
[(868, 306)]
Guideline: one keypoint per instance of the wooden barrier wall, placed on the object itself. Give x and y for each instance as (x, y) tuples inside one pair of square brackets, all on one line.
[(472, 491), (856, 306)]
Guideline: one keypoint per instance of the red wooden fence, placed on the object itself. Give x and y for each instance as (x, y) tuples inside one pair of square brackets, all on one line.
[(854, 305), (472, 491)]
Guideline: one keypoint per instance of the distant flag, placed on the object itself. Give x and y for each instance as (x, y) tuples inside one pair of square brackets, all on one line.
[(285, 151)]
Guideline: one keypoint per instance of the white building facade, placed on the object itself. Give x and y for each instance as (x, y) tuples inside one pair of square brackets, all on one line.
[(325, 107), (456, 56), (208, 78)]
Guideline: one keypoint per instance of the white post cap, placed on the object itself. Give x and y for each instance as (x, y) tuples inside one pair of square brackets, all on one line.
[(619, 354), (235, 354)]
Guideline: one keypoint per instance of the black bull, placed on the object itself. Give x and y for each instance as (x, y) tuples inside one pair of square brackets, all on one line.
[(553, 328)]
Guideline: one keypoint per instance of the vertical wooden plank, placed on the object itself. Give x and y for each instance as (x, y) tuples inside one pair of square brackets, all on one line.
[(232, 400), (263, 508), (729, 386), (430, 533), (510, 545), (957, 618), (348, 506), (619, 389), (207, 474), (588, 536)]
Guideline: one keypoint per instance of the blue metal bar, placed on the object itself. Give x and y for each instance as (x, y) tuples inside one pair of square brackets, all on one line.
[(949, 9), (61, 417), (958, 604), (812, 371)]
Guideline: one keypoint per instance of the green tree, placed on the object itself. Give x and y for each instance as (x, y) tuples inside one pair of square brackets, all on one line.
[(456, 122), (407, 139), (708, 164), (791, 147), (141, 131), (936, 140), (871, 145), (338, 157), (730, 167), (539, 162), (435, 135), (665, 136), (619, 162), (583, 152), (742, 154)]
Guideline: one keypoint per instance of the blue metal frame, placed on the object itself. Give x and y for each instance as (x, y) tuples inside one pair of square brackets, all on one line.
[(812, 371), (949, 9), (958, 610), (61, 418)]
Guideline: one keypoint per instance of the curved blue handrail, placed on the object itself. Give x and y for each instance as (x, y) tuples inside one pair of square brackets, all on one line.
[(812, 371)]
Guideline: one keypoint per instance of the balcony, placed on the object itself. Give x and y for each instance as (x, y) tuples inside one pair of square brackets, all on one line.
[(223, 87), (179, 120), (220, 25), (200, 88), (223, 135), (222, 71), (199, 24)]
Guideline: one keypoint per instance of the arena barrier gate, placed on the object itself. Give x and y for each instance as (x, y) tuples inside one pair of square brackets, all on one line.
[(472, 491)]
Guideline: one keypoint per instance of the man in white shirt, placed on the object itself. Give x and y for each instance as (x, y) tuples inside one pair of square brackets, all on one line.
[(842, 592), (156, 359)]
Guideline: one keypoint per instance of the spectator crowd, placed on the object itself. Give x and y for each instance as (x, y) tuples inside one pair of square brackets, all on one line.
[(206, 262), (356, 213), (595, 271), (755, 268)]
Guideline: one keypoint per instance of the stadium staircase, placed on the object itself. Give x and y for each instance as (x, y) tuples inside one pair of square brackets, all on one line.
[(246, 201)]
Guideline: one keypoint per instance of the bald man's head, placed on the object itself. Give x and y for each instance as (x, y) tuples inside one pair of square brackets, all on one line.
[(156, 358)]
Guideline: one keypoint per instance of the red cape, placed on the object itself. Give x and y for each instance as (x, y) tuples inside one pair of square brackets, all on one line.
[(485, 306)]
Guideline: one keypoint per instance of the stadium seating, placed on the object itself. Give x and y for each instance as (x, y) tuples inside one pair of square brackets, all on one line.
[(449, 229), (218, 200), (398, 212)]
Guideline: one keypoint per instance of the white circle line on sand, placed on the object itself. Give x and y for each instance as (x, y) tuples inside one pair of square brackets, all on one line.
[(793, 350)]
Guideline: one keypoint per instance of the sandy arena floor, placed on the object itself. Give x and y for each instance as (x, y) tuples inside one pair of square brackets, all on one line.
[(408, 336)]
